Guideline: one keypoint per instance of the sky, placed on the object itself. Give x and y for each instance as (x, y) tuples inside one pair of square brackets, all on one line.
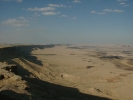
[(66, 21)]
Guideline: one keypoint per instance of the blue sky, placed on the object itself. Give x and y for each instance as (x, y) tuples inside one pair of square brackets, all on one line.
[(66, 21)]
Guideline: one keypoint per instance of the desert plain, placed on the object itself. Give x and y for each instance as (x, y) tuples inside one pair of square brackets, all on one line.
[(66, 72)]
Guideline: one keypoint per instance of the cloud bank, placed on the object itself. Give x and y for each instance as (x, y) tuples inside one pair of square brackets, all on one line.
[(16, 22)]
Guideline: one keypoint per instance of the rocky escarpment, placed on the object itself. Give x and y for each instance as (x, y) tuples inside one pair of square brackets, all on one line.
[(12, 74), (9, 80), (24, 77), (20, 51)]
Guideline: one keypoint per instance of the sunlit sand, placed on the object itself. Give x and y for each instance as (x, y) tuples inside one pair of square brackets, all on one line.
[(66, 72)]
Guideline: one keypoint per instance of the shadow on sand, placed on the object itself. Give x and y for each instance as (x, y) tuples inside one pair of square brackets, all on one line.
[(42, 90), (21, 52), (38, 89)]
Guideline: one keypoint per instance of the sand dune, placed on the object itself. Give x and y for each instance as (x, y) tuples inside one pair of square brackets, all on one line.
[(66, 72)]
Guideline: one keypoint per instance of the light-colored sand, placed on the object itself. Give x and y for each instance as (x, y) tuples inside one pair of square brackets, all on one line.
[(103, 78), (103, 71)]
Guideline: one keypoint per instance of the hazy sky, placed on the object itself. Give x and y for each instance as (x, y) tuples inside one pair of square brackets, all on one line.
[(66, 21)]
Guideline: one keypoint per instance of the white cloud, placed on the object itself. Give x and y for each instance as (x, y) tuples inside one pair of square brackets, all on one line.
[(122, 3), (36, 14), (50, 13), (77, 1), (16, 22), (121, 0), (41, 9), (19, 0), (55, 5), (108, 10), (93, 11), (115, 10), (63, 16), (126, 5), (6, 0), (13, 0), (118, 11), (101, 13)]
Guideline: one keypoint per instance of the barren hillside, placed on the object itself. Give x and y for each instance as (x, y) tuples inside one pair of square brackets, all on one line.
[(66, 72)]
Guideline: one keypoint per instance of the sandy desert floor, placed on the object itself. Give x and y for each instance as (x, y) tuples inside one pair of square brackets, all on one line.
[(66, 72)]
